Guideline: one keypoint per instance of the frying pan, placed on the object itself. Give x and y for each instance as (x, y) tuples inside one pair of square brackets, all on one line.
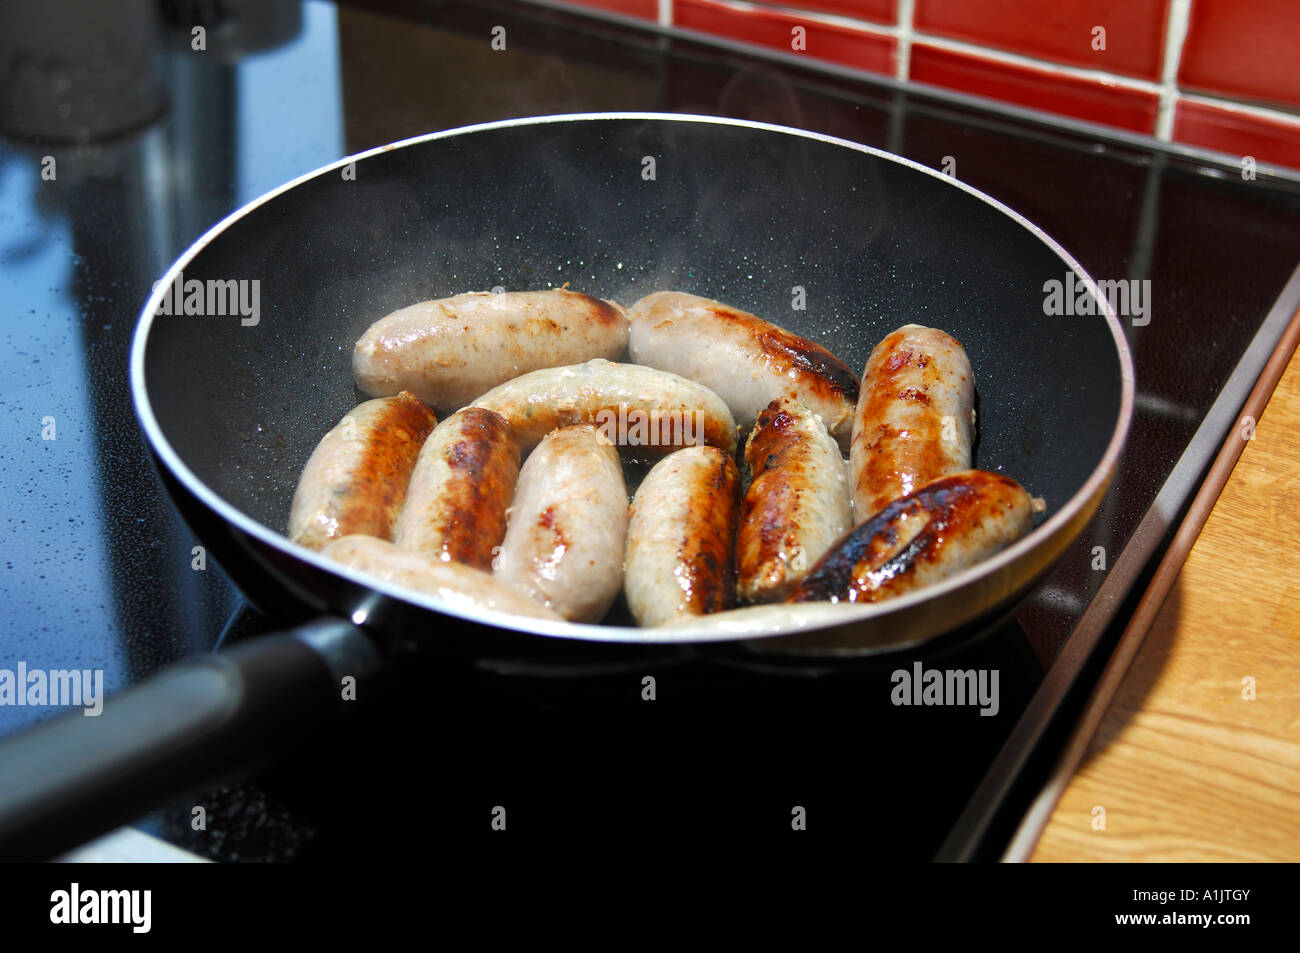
[(618, 205)]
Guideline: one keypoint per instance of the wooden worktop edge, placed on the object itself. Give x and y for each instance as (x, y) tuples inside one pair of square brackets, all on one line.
[(1035, 821)]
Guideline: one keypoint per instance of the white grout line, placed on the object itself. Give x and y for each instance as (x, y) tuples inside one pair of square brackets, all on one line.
[(812, 16), (906, 34), (906, 14), (1258, 112), (1017, 59), (1175, 34)]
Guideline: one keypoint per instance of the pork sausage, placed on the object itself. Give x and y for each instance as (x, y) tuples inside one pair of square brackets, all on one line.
[(769, 619), (797, 503), (680, 558), (564, 541), (939, 530), (356, 478), (450, 351), (461, 586), (915, 418), (748, 361), (464, 479), (646, 411)]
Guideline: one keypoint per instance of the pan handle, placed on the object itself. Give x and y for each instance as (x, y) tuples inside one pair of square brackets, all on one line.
[(188, 728)]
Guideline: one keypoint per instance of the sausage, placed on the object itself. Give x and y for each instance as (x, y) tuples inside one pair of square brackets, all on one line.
[(564, 541), (749, 362), (797, 503), (915, 418), (450, 351), (462, 587), (650, 412), (936, 532), (680, 558), (769, 619), (463, 481), (355, 479)]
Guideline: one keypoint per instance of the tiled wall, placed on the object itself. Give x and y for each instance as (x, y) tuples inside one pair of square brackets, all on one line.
[(1221, 74)]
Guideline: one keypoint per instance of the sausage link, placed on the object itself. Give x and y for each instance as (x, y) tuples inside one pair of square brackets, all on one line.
[(460, 586), (936, 532), (915, 418), (647, 411), (463, 482), (772, 618), (680, 557), (450, 351), (564, 542), (356, 478), (749, 362), (797, 503)]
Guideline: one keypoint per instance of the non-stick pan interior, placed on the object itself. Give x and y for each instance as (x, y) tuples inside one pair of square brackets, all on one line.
[(622, 207)]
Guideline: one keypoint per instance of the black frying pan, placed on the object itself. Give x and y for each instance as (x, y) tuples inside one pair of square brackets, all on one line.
[(738, 211)]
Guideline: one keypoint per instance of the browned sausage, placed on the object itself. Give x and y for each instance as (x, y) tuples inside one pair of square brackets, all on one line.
[(463, 482), (915, 418), (355, 480), (941, 529), (797, 504), (680, 557), (749, 362)]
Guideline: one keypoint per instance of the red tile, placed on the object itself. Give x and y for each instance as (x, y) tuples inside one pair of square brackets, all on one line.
[(877, 11), (1037, 88), (764, 27), (1246, 48), (646, 9), (1058, 30), (1224, 129)]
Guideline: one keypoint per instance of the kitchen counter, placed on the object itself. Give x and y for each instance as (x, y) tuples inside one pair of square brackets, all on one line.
[(1198, 755)]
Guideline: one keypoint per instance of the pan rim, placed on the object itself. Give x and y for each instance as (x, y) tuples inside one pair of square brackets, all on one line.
[(1098, 479)]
